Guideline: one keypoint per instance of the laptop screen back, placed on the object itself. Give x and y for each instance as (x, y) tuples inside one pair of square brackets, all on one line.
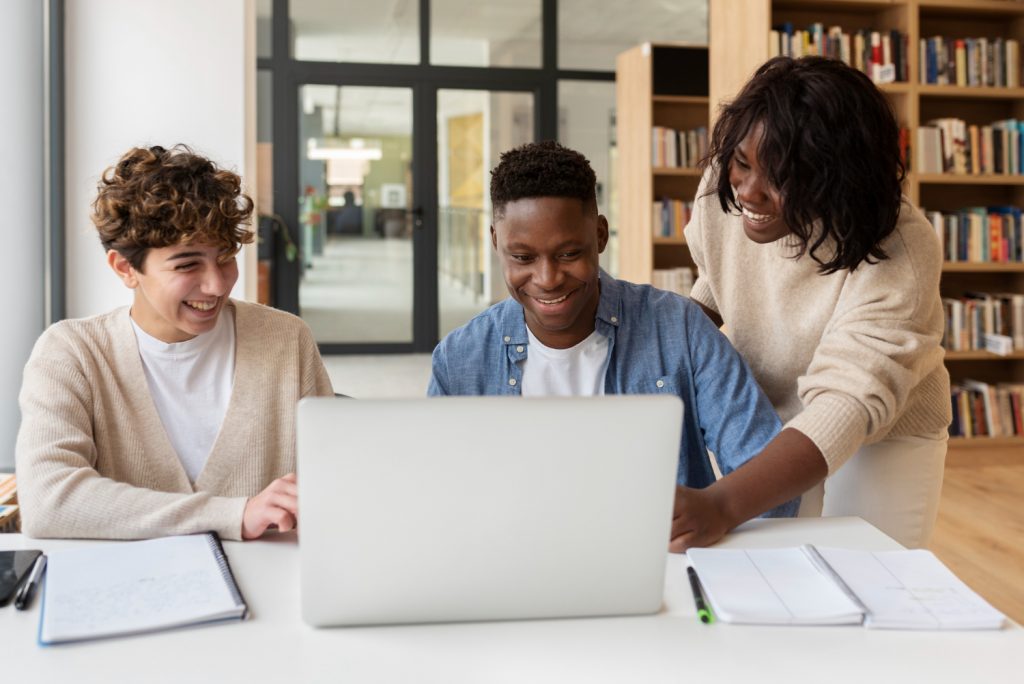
[(476, 508)]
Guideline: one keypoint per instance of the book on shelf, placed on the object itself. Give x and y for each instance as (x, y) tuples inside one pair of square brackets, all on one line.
[(983, 321), (982, 409), (969, 62), (671, 148), (882, 55), (669, 217), (678, 280), (980, 234), (124, 588), (808, 585), (950, 145)]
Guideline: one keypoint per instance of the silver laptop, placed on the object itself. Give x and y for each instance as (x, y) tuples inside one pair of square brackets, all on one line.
[(484, 508)]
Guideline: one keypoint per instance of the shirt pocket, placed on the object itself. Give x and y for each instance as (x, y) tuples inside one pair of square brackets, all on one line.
[(665, 384)]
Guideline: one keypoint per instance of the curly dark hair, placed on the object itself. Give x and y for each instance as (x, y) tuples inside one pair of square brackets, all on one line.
[(542, 169), (155, 197), (831, 149)]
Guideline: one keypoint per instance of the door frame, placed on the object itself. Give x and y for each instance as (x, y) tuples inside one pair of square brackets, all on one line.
[(425, 79)]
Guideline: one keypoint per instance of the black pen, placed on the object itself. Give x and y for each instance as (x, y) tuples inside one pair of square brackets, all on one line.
[(24, 596), (703, 613)]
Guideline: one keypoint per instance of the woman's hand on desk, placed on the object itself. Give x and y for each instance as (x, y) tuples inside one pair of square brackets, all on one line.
[(698, 519), (277, 505)]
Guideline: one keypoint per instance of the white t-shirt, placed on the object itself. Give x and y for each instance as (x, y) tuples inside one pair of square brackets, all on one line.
[(573, 372), (190, 383)]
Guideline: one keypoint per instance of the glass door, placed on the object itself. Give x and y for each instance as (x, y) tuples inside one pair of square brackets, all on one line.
[(356, 221), (473, 128)]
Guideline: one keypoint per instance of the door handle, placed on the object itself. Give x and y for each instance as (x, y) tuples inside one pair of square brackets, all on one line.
[(417, 217)]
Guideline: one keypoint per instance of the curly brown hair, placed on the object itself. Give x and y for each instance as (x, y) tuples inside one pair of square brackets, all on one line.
[(155, 197)]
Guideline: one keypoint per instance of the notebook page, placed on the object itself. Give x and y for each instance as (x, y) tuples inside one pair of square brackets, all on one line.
[(911, 589), (130, 587), (770, 586)]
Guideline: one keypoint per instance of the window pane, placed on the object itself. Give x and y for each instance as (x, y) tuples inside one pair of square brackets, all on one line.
[(264, 31), (473, 128), (356, 31), (484, 33), (590, 40), (586, 123), (355, 248)]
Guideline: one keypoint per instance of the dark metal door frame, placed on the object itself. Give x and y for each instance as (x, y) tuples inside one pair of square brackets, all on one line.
[(425, 80)]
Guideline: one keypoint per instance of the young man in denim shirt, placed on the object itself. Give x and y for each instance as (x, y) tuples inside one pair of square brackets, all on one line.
[(571, 329)]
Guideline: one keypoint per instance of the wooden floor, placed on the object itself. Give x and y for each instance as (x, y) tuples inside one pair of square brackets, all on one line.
[(980, 530)]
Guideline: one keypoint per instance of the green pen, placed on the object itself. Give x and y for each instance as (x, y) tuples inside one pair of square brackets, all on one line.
[(705, 614)]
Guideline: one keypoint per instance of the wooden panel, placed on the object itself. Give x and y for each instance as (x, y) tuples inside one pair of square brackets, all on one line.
[(633, 130), (737, 45)]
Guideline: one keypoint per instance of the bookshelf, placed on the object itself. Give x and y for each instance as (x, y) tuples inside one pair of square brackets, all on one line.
[(657, 85), (739, 43)]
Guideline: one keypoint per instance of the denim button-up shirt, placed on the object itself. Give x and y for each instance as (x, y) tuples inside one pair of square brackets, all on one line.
[(659, 343)]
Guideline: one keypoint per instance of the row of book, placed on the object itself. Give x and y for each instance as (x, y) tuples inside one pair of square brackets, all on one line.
[(951, 145), (882, 55), (992, 62), (989, 321), (674, 148), (669, 217), (980, 234), (678, 280), (981, 409)]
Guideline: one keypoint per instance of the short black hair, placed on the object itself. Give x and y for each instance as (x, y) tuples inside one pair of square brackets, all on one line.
[(542, 169), (830, 147)]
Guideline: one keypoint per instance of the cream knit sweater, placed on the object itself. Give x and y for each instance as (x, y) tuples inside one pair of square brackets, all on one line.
[(847, 358), (93, 459)]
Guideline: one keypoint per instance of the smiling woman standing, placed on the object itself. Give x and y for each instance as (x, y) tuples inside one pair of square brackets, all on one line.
[(827, 281), (177, 414)]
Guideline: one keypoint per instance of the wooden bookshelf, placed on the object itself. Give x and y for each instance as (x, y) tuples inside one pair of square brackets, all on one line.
[(640, 107), (738, 44)]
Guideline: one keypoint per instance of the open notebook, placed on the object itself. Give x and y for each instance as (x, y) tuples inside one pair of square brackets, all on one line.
[(132, 587), (906, 589)]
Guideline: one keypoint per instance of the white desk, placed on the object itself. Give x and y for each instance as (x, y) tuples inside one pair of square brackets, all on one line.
[(274, 645)]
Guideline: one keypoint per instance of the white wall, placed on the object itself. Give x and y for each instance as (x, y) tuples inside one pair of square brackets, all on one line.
[(148, 72), (21, 196)]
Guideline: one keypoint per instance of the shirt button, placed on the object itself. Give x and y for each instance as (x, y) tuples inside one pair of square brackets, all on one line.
[(615, 319), (507, 338), (660, 383), (512, 381), (519, 349)]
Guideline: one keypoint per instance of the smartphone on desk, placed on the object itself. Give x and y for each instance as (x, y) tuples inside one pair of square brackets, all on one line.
[(14, 567)]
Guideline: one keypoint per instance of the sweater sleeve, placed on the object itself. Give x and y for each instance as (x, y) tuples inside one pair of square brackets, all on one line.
[(694, 232), (882, 342), (60, 492), (315, 380)]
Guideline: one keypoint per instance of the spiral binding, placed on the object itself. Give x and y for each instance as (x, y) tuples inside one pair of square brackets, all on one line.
[(213, 539)]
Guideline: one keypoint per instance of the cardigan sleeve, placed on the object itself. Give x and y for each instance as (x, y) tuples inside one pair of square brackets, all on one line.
[(315, 380), (60, 491)]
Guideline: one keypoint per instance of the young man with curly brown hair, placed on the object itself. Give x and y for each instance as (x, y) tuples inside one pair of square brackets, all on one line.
[(176, 414)]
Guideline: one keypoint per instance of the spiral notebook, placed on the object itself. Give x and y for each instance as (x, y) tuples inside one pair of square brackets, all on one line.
[(110, 590)]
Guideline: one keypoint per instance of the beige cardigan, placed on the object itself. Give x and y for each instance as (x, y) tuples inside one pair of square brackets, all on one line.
[(93, 459), (846, 358)]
